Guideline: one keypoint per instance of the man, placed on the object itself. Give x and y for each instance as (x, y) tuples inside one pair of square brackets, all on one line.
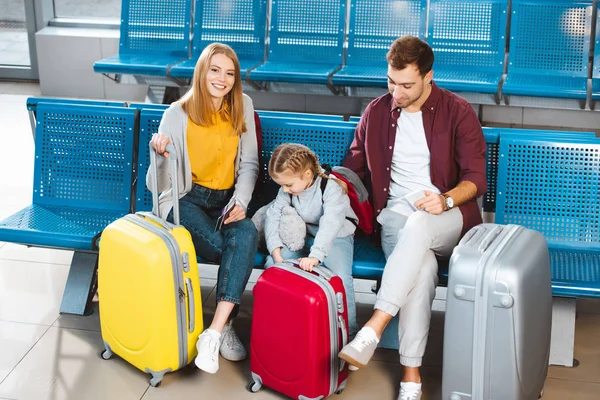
[(421, 152)]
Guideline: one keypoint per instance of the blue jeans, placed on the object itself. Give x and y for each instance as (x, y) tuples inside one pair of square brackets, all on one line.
[(339, 261), (233, 246)]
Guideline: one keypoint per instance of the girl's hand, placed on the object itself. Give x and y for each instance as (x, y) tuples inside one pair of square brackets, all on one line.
[(160, 142), (237, 214), (308, 263), (432, 203)]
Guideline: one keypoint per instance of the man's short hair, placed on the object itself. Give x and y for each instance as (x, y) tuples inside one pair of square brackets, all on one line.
[(408, 50)]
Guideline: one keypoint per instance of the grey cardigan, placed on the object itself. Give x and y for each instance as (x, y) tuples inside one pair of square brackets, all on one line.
[(174, 125)]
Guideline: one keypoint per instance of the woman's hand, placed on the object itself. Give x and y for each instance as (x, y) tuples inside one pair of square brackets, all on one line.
[(237, 214), (160, 142), (308, 263)]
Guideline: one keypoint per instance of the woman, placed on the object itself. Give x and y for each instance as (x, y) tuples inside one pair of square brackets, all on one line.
[(213, 132)]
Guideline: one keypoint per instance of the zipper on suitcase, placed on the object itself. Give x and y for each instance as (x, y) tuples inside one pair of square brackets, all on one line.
[(176, 262)]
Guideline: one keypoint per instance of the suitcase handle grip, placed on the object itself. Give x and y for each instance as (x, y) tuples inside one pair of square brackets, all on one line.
[(174, 182), (191, 305), (342, 323), (322, 272)]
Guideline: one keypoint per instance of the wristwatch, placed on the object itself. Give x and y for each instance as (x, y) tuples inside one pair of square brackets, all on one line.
[(449, 202)]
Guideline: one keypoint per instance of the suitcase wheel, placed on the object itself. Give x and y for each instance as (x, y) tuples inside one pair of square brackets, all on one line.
[(155, 382), (253, 387), (106, 354), (339, 391)]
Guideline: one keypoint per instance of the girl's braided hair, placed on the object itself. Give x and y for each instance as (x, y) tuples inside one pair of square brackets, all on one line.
[(298, 158)]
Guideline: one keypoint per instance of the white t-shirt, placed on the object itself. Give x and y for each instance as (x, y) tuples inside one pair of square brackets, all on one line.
[(410, 162)]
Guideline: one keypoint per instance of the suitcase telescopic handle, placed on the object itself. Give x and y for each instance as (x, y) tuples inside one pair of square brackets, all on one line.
[(322, 272), (174, 182)]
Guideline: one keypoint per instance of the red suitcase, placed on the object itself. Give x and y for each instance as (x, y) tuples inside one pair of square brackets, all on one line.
[(299, 325)]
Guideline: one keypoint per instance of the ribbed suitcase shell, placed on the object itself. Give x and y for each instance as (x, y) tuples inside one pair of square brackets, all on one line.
[(299, 325), (498, 315), (150, 301)]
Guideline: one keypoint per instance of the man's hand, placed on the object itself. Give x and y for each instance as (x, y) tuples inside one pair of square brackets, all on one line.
[(237, 214), (308, 263), (276, 254), (432, 203)]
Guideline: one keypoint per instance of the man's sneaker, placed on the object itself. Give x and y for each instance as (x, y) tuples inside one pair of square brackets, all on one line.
[(410, 391), (208, 351), (232, 348), (360, 350)]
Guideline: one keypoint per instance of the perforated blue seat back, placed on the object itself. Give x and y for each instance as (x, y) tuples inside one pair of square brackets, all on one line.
[(149, 123), (596, 71), (468, 34), (550, 37), (84, 156), (311, 31), (330, 140), (237, 23), (160, 28), (375, 24), (551, 186)]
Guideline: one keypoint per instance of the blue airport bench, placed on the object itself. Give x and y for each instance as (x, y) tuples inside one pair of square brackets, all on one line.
[(83, 175), (240, 24), (306, 43), (468, 39), (154, 36), (549, 48), (374, 25)]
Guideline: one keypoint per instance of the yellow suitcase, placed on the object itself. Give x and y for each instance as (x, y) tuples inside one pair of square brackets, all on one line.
[(149, 292)]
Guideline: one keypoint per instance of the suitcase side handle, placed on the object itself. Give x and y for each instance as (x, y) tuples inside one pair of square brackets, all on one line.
[(342, 324), (191, 305), (174, 182)]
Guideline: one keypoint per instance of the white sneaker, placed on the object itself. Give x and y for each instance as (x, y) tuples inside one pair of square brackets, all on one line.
[(360, 350), (352, 367), (410, 391), (232, 348), (208, 351)]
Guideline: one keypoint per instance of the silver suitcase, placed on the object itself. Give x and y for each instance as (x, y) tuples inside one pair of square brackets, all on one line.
[(498, 315)]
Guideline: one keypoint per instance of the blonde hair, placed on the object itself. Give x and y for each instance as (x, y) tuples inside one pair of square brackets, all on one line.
[(298, 158), (197, 102)]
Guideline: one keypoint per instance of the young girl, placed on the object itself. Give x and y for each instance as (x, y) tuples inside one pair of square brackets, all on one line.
[(330, 233), (212, 129)]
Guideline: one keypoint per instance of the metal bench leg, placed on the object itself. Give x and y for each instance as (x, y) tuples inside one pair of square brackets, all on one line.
[(81, 284), (562, 345)]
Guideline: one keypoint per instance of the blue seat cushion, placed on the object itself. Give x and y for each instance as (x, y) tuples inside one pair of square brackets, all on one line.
[(148, 65), (186, 69), (467, 81), (56, 226), (575, 272), (293, 72), (545, 85), (358, 75)]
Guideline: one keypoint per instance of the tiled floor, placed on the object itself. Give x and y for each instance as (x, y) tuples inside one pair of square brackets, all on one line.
[(46, 356)]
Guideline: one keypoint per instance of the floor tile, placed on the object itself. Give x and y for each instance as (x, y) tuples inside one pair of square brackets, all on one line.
[(31, 292), (20, 252), (89, 322), (587, 351), (15, 341), (65, 365), (558, 389)]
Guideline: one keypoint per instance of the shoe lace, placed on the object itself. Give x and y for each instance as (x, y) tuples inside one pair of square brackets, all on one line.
[(361, 343), (231, 339), (212, 346)]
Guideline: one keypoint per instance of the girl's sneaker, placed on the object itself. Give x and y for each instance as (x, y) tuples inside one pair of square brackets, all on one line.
[(410, 391)]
